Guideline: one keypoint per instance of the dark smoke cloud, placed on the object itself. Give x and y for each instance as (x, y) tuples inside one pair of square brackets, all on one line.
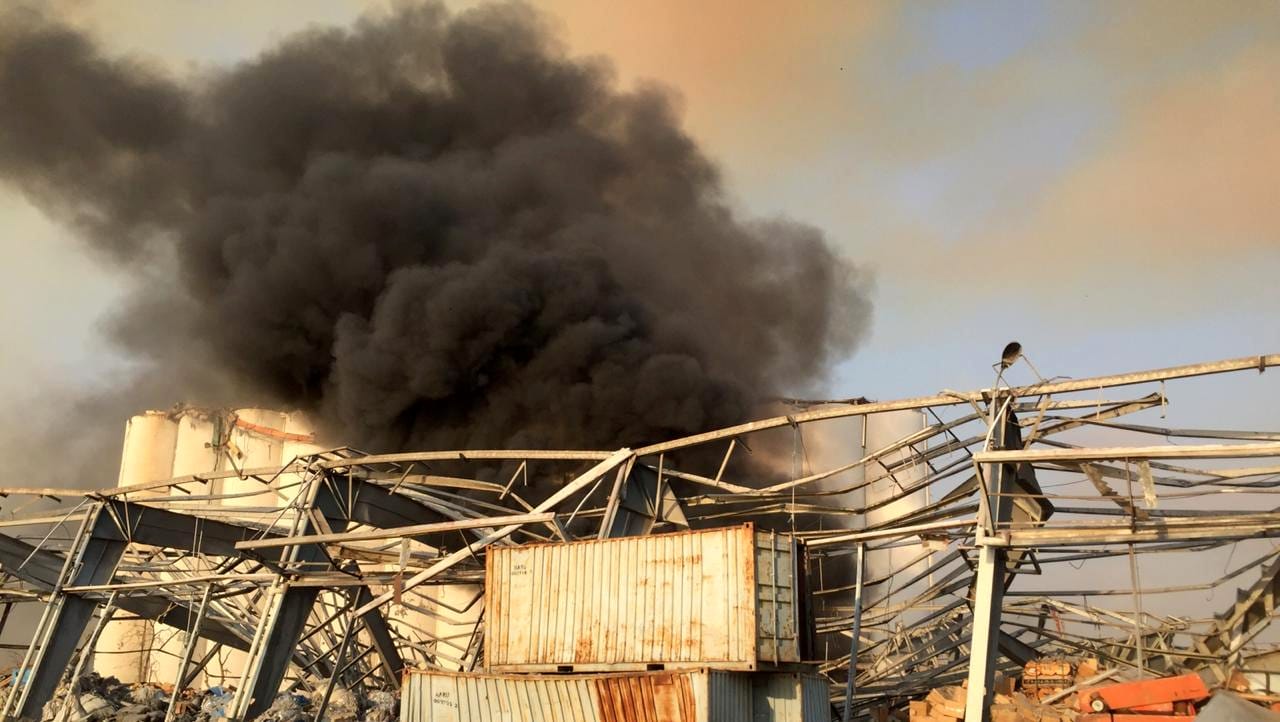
[(431, 230)]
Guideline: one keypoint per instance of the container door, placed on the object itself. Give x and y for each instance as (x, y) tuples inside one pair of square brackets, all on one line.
[(776, 629)]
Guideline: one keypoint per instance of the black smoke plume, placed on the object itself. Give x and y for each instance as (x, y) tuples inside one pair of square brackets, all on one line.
[(429, 230)]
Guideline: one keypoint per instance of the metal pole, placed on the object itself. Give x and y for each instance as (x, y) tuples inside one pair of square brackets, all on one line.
[(4, 618), (275, 608), (337, 668), (987, 601), (1137, 583), (988, 587), (190, 678), (773, 579), (193, 636), (857, 634), (19, 688), (1137, 616)]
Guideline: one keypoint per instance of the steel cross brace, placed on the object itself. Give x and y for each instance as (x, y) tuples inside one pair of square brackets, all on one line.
[(338, 501), (92, 559)]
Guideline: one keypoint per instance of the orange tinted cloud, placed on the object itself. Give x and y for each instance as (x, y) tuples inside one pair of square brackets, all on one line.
[(1195, 169), (1188, 177), (758, 78)]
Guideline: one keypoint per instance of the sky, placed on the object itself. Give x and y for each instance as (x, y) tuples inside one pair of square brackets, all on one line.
[(1098, 181)]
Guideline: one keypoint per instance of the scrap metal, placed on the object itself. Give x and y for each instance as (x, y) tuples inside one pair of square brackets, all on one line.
[(1018, 486)]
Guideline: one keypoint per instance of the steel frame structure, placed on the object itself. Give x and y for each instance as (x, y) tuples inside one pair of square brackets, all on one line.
[(304, 589)]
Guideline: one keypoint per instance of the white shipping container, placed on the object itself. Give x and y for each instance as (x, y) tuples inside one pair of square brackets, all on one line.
[(729, 598), (679, 696)]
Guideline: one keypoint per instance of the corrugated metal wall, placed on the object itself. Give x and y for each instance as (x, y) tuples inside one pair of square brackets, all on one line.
[(655, 697), (688, 696), (729, 696), (680, 600), (817, 698), (791, 696)]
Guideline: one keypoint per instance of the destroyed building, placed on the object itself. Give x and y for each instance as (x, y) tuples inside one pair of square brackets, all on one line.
[(243, 570)]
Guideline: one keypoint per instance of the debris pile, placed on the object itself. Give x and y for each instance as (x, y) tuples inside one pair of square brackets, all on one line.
[(107, 699), (1047, 677), (94, 697), (946, 704), (879, 551), (1159, 699)]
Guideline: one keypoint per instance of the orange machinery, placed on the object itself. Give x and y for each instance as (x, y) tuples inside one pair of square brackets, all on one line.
[(1168, 699)]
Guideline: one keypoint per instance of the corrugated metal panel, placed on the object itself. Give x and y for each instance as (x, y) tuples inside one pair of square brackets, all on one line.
[(790, 697), (643, 697), (816, 693), (681, 600), (687, 696), (729, 696)]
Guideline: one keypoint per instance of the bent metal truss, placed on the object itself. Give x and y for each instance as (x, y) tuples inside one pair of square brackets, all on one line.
[(1019, 490)]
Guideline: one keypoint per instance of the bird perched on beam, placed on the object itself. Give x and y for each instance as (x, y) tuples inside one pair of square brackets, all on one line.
[(1011, 352)]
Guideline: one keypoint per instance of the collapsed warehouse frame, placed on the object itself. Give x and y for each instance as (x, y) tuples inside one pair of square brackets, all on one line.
[(303, 589)]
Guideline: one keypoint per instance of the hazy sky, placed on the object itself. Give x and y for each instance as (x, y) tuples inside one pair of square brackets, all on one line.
[(1100, 181)]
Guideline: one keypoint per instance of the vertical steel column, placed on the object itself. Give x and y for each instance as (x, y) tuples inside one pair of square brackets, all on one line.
[(18, 688), (988, 588), (1136, 581), (988, 595), (257, 690), (288, 606), (855, 642)]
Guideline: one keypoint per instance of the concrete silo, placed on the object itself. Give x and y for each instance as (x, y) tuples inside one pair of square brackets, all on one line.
[(161, 445), (892, 476), (124, 649)]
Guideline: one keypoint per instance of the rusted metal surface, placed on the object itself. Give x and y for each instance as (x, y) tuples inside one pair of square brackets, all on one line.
[(646, 698), (328, 520), (725, 597), (685, 696)]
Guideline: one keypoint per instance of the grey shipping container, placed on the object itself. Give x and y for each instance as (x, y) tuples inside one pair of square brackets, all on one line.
[(677, 696), (728, 598)]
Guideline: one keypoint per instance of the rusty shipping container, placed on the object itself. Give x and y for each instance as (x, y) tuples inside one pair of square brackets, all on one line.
[(677, 696), (729, 598)]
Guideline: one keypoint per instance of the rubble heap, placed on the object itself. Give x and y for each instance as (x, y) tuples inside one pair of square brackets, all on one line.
[(946, 704), (236, 547), (106, 699)]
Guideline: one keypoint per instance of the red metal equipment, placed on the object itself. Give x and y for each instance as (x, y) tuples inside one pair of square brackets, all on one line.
[(1171, 699)]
